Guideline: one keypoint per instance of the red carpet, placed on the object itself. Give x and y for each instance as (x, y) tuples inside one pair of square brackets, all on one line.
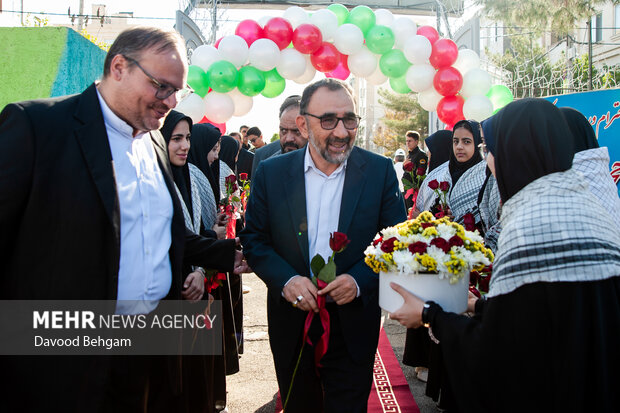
[(390, 391)]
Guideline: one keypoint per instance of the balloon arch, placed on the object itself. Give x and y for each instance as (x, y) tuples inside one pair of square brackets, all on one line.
[(374, 45)]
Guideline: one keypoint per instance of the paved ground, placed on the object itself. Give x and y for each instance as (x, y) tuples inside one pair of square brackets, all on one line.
[(253, 389)]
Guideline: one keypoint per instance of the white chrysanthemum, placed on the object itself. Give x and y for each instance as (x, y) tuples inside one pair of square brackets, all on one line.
[(474, 236), (446, 231), (404, 260), (478, 257), (371, 250), (390, 232)]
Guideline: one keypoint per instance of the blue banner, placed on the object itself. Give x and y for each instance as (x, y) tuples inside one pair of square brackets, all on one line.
[(602, 108)]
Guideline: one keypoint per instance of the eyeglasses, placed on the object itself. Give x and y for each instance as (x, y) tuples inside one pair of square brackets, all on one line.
[(483, 150), (329, 122), (163, 90)]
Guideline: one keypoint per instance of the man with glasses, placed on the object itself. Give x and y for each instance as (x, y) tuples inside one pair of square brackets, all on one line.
[(89, 211), (255, 136), (297, 200)]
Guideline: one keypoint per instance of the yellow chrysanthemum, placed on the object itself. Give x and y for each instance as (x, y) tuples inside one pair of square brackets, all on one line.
[(427, 262), (430, 232), (387, 257)]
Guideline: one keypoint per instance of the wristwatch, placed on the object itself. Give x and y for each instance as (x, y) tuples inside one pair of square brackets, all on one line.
[(425, 310)]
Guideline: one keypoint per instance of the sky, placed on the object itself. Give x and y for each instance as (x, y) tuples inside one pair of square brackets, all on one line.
[(264, 113)]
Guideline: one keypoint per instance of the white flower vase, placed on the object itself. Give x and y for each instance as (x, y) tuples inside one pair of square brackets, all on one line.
[(426, 286)]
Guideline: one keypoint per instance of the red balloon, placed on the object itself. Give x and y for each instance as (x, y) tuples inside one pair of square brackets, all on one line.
[(280, 31), (326, 58), (220, 126), (450, 109), (449, 127), (341, 71), (429, 32), (444, 53), (217, 43), (448, 81), (307, 38), (250, 31)]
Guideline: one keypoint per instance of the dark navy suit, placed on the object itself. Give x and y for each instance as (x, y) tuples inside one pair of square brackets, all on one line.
[(275, 243)]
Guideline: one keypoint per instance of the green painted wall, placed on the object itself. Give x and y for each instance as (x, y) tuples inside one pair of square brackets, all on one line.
[(29, 61)]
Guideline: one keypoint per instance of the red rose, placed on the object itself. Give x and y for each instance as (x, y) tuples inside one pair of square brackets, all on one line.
[(473, 278), (243, 176), (444, 186), (378, 240), (475, 291), (417, 247), (421, 171), (441, 244), (469, 222), (231, 179), (483, 283), (455, 241), (433, 184), (388, 245), (408, 167), (338, 241)]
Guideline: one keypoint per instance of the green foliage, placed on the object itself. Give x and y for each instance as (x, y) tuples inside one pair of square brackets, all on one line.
[(402, 113), (275, 137)]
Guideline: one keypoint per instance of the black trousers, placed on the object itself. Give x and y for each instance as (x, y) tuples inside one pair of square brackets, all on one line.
[(340, 385)]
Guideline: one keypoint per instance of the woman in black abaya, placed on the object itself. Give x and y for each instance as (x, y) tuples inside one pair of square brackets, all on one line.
[(554, 299)]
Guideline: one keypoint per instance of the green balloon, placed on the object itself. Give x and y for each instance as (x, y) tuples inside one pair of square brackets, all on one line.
[(251, 81), (197, 79), (274, 84), (394, 63), (500, 96), (399, 84), (222, 76), (380, 39), (340, 11), (363, 17)]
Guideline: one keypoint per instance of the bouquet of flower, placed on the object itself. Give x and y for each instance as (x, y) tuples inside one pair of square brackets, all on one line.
[(245, 189), (229, 205), (441, 190), (427, 244)]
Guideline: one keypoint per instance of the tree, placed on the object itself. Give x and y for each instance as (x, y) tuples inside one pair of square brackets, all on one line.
[(560, 16), (402, 113)]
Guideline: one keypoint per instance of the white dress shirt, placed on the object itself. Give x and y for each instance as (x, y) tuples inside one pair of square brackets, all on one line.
[(146, 211)]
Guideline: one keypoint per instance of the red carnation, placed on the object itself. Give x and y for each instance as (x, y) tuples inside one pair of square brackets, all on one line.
[(433, 184), (408, 167), (388, 245), (455, 241), (425, 225), (421, 171), (417, 247), (469, 222), (243, 176), (378, 240), (444, 186), (338, 241), (441, 244)]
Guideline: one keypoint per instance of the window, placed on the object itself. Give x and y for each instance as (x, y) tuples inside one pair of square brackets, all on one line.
[(597, 27), (617, 18)]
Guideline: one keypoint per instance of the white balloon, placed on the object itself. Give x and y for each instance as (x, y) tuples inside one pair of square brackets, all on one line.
[(384, 17), (466, 60), (296, 16), (327, 21), (203, 56), (192, 106), (420, 77), (243, 104), (363, 63), (377, 78), (308, 75), (403, 28), (417, 49), (234, 49), (264, 54), (349, 39), (476, 82), (477, 107), (219, 107), (429, 99), (292, 64)]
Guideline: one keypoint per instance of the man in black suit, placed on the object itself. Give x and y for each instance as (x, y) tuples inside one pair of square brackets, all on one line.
[(88, 211), (298, 199), (245, 157)]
